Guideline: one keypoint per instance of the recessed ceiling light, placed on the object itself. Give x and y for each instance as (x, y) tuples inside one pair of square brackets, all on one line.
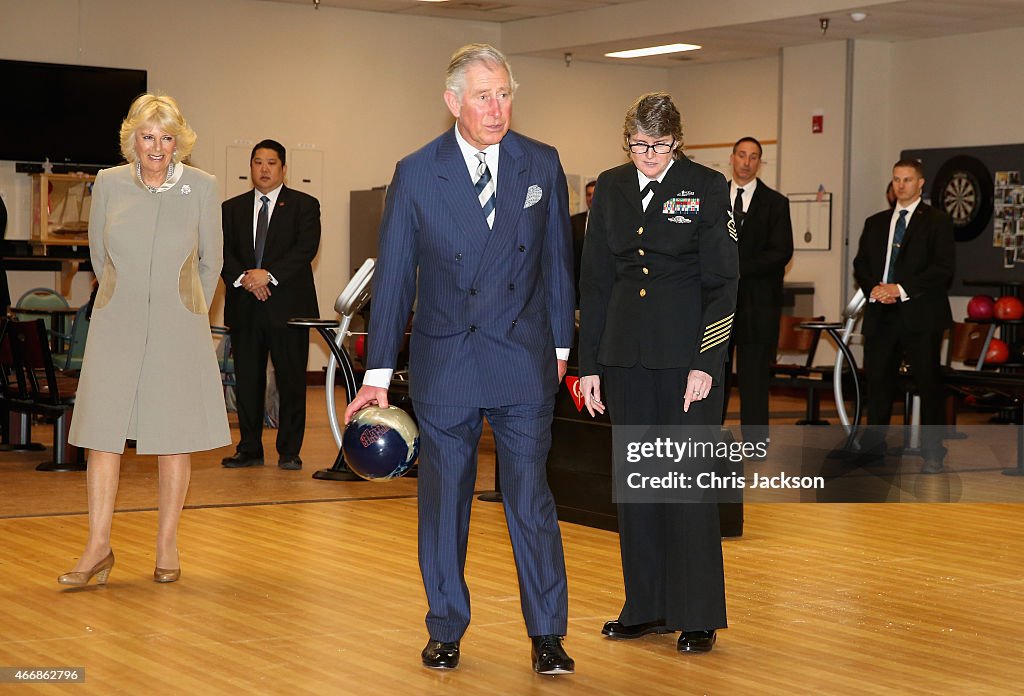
[(653, 50), (858, 16)]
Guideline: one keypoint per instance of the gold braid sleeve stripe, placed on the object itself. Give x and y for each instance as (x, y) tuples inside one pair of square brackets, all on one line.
[(723, 339), (714, 325), (724, 331)]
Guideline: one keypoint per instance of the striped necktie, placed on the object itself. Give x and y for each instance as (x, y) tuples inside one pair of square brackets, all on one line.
[(485, 188)]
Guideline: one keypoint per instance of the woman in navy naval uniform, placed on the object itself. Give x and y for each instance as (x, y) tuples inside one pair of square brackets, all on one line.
[(658, 292)]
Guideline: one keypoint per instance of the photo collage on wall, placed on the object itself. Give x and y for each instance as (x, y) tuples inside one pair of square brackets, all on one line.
[(1008, 218)]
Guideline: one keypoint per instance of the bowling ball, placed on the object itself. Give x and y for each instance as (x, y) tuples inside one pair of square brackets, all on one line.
[(980, 307), (1008, 308), (360, 347), (381, 444), (998, 352)]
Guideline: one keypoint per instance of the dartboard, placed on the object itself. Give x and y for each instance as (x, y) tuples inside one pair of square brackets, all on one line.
[(963, 188)]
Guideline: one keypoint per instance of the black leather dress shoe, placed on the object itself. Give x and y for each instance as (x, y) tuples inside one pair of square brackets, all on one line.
[(290, 463), (438, 655), (240, 460), (549, 656), (620, 631), (696, 641)]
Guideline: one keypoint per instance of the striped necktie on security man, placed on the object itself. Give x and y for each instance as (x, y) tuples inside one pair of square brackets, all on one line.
[(485, 188)]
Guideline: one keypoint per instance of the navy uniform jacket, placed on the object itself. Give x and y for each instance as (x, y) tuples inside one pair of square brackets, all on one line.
[(658, 288), (924, 267), (492, 304)]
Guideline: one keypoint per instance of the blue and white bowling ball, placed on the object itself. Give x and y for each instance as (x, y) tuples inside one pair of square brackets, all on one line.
[(381, 444)]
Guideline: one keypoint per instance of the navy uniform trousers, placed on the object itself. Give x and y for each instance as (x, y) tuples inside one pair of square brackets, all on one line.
[(671, 552), (448, 461)]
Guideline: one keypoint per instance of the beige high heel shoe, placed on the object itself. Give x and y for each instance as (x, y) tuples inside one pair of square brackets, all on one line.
[(166, 574), (79, 578)]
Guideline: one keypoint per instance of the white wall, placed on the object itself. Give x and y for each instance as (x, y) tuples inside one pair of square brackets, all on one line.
[(722, 102), (813, 79)]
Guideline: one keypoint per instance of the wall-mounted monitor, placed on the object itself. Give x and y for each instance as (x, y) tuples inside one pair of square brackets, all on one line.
[(69, 114)]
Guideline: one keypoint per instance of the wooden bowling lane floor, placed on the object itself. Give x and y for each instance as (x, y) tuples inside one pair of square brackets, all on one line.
[(296, 586)]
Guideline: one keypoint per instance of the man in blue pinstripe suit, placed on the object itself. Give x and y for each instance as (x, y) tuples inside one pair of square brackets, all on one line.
[(479, 218)]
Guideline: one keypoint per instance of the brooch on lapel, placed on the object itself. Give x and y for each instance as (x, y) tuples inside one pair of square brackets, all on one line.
[(533, 195), (681, 204), (186, 189), (280, 204)]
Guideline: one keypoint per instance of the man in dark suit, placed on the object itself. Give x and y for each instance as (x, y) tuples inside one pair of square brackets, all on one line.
[(579, 232), (271, 236), (765, 247), (904, 265), (480, 218)]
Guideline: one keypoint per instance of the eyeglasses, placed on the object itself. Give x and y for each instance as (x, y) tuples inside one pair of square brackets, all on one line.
[(659, 148)]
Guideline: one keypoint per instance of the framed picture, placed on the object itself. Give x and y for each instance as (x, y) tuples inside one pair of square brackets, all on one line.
[(811, 214)]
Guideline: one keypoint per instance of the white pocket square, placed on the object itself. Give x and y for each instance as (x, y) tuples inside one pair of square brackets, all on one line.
[(533, 195)]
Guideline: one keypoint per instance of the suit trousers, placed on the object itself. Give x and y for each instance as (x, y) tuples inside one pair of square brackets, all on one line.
[(288, 348), (883, 349), (753, 372), (671, 552), (449, 436)]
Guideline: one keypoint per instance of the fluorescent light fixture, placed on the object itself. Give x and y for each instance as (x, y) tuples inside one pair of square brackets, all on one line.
[(653, 51), (858, 16), (432, 0)]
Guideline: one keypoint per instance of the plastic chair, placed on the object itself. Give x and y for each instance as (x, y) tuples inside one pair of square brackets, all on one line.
[(75, 348), (52, 393), (43, 298)]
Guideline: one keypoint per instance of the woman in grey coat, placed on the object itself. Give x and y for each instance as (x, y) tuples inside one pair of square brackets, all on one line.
[(149, 372)]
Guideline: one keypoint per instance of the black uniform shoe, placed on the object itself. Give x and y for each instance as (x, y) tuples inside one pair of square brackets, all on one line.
[(620, 631), (438, 655), (696, 641), (290, 463), (549, 656), (240, 460)]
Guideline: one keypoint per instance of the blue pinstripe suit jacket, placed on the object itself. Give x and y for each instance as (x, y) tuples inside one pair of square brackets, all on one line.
[(492, 304)]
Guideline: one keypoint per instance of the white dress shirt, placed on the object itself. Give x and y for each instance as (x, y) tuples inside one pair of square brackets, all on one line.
[(888, 248), (643, 181), (257, 204), (748, 193)]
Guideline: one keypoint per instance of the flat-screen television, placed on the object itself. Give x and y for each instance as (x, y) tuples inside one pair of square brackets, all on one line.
[(69, 114)]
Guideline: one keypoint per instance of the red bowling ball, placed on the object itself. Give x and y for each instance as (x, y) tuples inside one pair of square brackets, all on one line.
[(998, 352), (360, 347), (1008, 308), (980, 307)]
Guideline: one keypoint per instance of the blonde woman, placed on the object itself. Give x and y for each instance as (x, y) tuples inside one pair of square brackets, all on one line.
[(149, 372)]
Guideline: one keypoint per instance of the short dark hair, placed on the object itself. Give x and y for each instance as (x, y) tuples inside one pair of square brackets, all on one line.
[(911, 162), (655, 115), (269, 144), (590, 184), (749, 139)]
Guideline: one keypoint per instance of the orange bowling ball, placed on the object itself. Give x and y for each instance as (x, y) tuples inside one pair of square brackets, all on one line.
[(998, 352), (1008, 308)]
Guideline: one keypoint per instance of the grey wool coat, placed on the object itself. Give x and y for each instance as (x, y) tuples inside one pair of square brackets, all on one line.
[(149, 372)]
